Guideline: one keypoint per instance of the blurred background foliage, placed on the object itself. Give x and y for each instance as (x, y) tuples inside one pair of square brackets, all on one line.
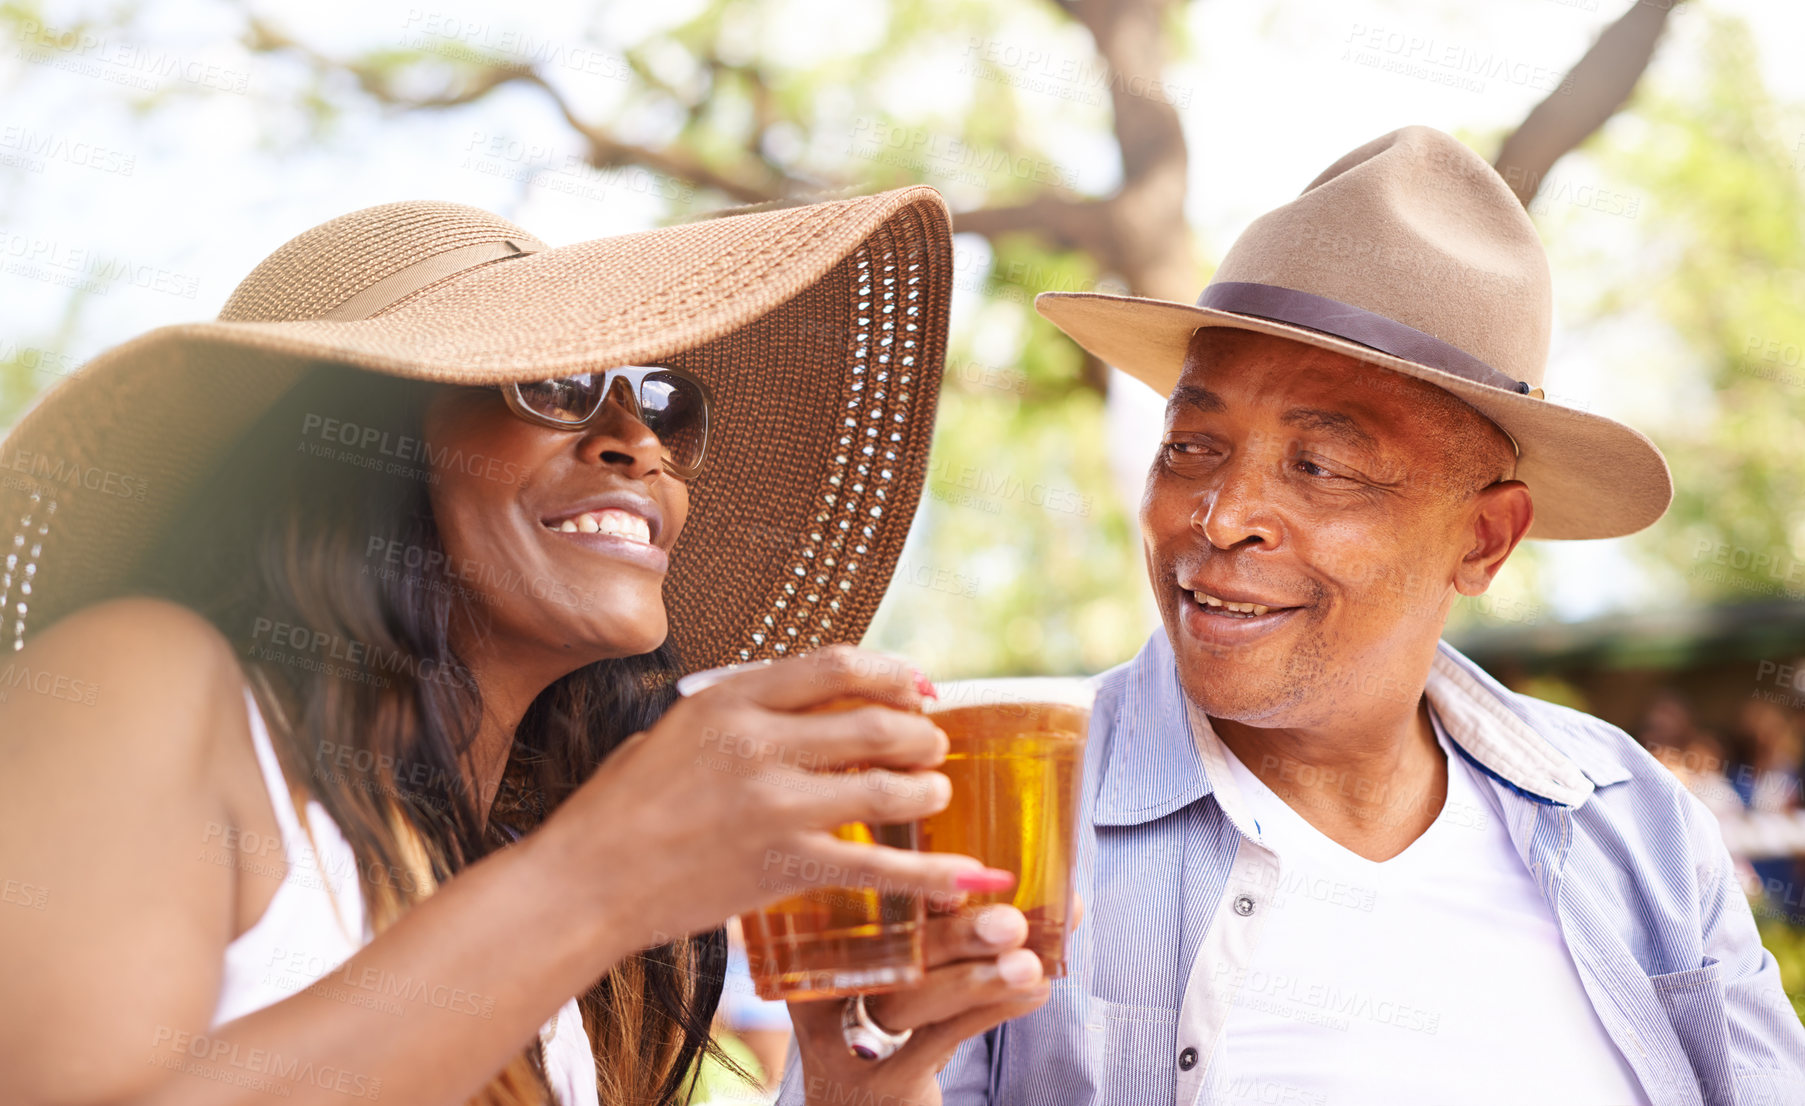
[(1067, 174), (1719, 273)]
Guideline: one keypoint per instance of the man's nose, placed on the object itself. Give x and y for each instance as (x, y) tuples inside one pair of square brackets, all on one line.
[(618, 438), (1238, 507)]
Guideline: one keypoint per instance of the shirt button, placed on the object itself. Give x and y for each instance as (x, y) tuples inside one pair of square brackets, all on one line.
[(1243, 905), (1187, 1059)]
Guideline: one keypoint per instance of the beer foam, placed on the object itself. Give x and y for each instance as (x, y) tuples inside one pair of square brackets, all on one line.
[(1068, 691)]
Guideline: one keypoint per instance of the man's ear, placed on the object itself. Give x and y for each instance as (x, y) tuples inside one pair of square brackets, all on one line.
[(1498, 518)]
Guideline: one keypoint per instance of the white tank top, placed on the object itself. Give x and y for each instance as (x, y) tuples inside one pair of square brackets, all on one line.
[(315, 922)]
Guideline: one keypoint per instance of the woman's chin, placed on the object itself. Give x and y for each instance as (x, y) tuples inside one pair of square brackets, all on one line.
[(616, 641), (603, 628)]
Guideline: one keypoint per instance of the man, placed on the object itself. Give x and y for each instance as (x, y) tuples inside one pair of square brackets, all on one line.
[(1328, 859)]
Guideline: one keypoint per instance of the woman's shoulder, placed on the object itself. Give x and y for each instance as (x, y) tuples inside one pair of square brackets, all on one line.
[(149, 660), (142, 632), (124, 738), (132, 611)]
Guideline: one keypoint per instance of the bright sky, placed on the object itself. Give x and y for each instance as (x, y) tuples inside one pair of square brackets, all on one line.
[(190, 200)]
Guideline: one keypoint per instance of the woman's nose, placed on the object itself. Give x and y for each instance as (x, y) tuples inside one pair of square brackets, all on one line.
[(617, 437)]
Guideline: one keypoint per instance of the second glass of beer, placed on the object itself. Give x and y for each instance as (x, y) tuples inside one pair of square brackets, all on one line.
[(1016, 762)]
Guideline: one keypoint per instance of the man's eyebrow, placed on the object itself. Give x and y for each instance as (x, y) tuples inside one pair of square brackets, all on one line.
[(1334, 423), (1191, 395)]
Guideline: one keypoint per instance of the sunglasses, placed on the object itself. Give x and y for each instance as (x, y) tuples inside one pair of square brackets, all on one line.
[(672, 403)]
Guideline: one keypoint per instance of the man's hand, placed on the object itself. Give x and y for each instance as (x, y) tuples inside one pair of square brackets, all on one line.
[(978, 976)]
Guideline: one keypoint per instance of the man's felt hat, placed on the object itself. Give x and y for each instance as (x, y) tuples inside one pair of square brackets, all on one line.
[(1410, 253)]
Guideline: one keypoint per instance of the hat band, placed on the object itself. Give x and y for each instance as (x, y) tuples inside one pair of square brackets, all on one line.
[(399, 285), (1356, 324)]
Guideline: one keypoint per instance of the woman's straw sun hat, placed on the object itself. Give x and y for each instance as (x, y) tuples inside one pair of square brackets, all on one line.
[(819, 330)]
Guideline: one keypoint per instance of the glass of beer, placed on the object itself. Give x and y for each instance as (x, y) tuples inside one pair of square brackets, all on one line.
[(823, 942), (1016, 762)]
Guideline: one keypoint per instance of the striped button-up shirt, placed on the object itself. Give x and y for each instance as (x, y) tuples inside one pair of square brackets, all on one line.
[(1631, 865)]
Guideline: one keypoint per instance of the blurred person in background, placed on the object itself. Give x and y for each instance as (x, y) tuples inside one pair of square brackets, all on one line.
[(762, 1025), (1772, 739), (1769, 783), (1694, 755)]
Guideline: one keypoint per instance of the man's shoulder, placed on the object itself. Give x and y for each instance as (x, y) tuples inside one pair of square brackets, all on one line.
[(1605, 752), (1576, 732), (1589, 738), (1626, 776)]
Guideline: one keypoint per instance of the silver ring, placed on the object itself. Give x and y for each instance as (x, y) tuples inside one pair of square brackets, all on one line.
[(866, 1039)]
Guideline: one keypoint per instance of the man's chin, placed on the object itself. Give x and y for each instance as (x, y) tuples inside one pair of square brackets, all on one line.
[(1250, 703), (1235, 685)]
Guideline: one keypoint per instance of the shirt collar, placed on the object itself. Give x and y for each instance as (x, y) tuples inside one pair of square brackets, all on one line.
[(1154, 764), (1490, 725), (1524, 742), (1151, 766)]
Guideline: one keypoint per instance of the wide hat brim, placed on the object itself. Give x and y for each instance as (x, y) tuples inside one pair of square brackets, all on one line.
[(1589, 476), (820, 331)]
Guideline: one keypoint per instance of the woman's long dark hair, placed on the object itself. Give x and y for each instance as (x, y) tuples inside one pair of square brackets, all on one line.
[(313, 549)]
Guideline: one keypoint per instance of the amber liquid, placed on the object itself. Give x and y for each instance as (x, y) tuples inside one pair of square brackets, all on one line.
[(835, 941), (1015, 770)]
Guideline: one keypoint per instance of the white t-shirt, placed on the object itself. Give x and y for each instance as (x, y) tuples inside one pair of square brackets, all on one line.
[(1436, 977)]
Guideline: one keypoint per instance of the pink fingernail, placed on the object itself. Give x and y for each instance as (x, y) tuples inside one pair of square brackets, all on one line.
[(985, 879), (925, 686)]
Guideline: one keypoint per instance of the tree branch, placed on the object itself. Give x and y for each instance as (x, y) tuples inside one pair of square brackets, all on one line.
[(605, 151), (1145, 236), (264, 38), (755, 182), (1591, 93), (1138, 234), (1069, 223)]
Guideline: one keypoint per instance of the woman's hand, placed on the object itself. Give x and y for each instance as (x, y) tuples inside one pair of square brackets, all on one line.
[(978, 976), (730, 801)]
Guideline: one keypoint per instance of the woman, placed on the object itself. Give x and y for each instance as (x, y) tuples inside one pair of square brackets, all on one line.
[(337, 604)]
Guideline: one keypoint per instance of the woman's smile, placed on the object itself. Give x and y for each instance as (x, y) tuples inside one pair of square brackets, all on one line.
[(618, 524)]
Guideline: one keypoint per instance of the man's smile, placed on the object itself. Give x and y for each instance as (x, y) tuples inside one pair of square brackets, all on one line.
[(1229, 606), (1227, 617), (1224, 599)]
